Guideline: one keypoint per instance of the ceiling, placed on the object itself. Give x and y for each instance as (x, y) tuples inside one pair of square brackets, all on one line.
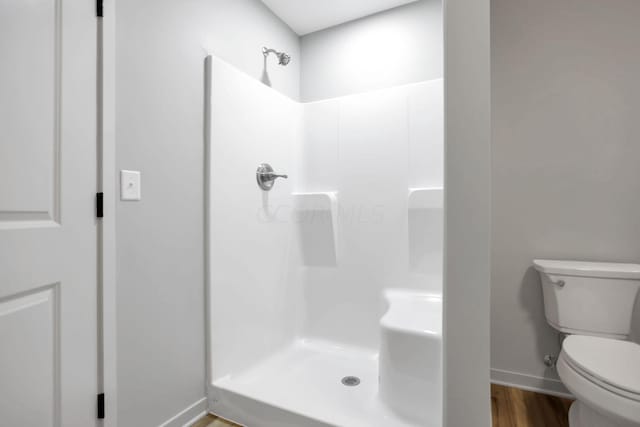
[(307, 16)]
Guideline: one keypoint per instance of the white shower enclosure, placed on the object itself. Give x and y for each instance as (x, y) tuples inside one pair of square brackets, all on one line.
[(324, 293)]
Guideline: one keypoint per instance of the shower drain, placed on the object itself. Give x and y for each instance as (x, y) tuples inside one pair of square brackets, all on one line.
[(351, 381)]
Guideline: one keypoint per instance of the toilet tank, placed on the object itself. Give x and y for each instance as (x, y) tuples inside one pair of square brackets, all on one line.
[(589, 298)]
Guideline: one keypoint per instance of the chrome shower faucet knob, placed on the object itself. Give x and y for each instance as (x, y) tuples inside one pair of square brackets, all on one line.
[(266, 177)]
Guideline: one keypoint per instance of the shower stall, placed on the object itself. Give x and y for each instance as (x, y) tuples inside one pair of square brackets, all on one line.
[(324, 255), (325, 238)]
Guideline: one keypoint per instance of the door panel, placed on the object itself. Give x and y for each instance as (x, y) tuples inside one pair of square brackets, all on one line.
[(30, 359), (30, 110), (48, 231)]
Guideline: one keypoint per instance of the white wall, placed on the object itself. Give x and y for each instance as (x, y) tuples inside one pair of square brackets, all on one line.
[(395, 47), (565, 159), (160, 240)]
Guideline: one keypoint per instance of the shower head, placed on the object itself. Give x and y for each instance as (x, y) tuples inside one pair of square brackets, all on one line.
[(283, 58)]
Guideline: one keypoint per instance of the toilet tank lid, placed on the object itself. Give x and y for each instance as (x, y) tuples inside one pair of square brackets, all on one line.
[(588, 269)]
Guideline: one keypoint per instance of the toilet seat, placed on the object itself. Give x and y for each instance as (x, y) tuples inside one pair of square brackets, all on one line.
[(613, 364), (604, 374)]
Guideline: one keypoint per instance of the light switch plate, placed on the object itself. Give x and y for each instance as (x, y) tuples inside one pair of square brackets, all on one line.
[(130, 185)]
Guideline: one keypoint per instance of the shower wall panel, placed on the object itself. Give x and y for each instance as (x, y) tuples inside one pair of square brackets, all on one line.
[(253, 302), (311, 258), (371, 149)]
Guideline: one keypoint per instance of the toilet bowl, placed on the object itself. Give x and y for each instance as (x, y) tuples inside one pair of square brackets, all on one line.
[(593, 304), (604, 376)]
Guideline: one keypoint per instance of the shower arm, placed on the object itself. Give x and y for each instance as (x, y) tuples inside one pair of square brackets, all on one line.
[(267, 51), (283, 58)]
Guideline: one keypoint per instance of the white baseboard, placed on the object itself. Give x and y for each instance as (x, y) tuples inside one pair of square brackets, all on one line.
[(550, 386), (188, 416)]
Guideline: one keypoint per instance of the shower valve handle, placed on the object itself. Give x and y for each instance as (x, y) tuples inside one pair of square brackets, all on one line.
[(265, 176), (272, 176)]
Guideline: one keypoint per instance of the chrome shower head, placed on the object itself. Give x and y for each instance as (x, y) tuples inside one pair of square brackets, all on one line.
[(283, 58)]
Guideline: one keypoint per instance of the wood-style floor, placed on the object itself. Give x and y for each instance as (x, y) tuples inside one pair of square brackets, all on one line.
[(511, 407), (213, 421)]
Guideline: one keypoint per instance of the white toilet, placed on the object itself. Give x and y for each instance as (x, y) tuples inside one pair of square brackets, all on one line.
[(593, 303)]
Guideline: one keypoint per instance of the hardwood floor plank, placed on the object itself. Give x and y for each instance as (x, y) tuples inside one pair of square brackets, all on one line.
[(512, 407), (500, 407), (213, 421)]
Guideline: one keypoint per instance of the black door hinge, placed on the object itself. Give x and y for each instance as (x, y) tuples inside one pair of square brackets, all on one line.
[(99, 12), (99, 205), (101, 406)]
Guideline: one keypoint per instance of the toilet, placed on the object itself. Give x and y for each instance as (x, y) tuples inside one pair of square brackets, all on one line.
[(592, 303)]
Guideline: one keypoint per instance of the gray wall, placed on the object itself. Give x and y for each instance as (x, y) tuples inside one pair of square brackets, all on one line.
[(566, 147), (160, 240), (467, 213), (399, 46)]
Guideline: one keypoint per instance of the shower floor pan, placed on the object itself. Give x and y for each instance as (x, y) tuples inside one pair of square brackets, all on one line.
[(316, 383), (301, 386)]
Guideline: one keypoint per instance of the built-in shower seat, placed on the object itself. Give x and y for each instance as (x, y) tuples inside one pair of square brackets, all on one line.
[(411, 354)]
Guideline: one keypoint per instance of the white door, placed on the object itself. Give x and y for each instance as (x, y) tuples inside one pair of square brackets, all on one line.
[(48, 240)]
